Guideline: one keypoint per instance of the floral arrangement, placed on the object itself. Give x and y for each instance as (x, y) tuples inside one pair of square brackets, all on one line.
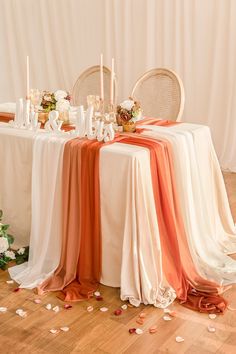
[(6, 253), (58, 100), (129, 111)]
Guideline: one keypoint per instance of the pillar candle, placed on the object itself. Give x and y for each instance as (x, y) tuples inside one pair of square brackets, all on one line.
[(101, 78), (112, 82)]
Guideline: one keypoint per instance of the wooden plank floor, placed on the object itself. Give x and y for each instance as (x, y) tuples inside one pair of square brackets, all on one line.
[(98, 332)]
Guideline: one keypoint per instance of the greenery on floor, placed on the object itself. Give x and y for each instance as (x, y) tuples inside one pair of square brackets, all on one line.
[(7, 253)]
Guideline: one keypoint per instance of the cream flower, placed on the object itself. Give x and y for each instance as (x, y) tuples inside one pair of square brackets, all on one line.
[(10, 254), (21, 250), (62, 105), (60, 94), (127, 104), (3, 244)]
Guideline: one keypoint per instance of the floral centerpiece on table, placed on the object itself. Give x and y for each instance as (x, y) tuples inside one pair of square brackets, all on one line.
[(6, 253), (58, 100), (128, 112)]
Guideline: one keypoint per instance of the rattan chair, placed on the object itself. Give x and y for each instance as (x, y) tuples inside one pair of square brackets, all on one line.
[(88, 83), (161, 94)]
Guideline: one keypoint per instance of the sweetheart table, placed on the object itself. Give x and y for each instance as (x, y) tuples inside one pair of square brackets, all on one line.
[(31, 188)]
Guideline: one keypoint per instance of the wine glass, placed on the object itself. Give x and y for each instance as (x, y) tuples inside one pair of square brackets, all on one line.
[(35, 98)]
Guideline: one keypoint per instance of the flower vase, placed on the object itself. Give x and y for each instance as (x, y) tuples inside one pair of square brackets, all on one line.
[(129, 127), (43, 117)]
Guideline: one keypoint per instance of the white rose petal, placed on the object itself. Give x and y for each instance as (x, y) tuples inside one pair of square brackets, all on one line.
[(212, 316), (60, 94), (10, 254), (3, 309), (124, 307), (21, 313), (97, 293), (139, 331), (211, 329), (10, 281), (167, 318), (4, 245), (64, 329), (56, 309), (54, 331), (90, 308), (48, 306), (179, 339)]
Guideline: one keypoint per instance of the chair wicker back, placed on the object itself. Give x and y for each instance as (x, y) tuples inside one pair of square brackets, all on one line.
[(161, 94), (88, 83)]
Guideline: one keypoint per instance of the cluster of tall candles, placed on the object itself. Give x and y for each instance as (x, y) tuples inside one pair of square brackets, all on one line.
[(101, 80)]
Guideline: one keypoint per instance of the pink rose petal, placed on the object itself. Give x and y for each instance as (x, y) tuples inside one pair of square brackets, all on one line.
[(104, 309), (140, 321), (142, 315), (67, 306), (37, 301), (97, 293), (153, 329)]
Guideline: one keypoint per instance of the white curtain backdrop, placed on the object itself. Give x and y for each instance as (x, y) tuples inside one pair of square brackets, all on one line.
[(196, 38)]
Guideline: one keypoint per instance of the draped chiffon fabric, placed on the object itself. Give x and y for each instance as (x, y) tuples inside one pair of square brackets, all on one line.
[(45, 235), (79, 271)]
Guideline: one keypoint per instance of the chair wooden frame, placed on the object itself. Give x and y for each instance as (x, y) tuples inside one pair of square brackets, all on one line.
[(173, 76)]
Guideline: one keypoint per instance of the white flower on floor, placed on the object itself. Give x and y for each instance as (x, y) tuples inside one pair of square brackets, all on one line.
[(60, 94), (127, 104), (10, 254), (21, 250), (62, 105), (4, 245)]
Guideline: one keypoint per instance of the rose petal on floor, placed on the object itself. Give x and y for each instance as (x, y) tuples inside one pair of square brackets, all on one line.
[(56, 309), (103, 309), (167, 318), (90, 308), (99, 298), (64, 329), (37, 301), (118, 312), (21, 313), (16, 290), (212, 316), (211, 329), (54, 331), (132, 330), (139, 331), (3, 309), (124, 307), (48, 306), (10, 281), (97, 293), (179, 339), (153, 329), (173, 313), (142, 315), (67, 306), (167, 310), (140, 321)]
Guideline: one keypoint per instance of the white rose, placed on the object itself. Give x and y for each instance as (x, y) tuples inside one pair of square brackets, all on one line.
[(10, 254), (3, 244), (60, 94), (127, 104), (21, 250), (62, 105)]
